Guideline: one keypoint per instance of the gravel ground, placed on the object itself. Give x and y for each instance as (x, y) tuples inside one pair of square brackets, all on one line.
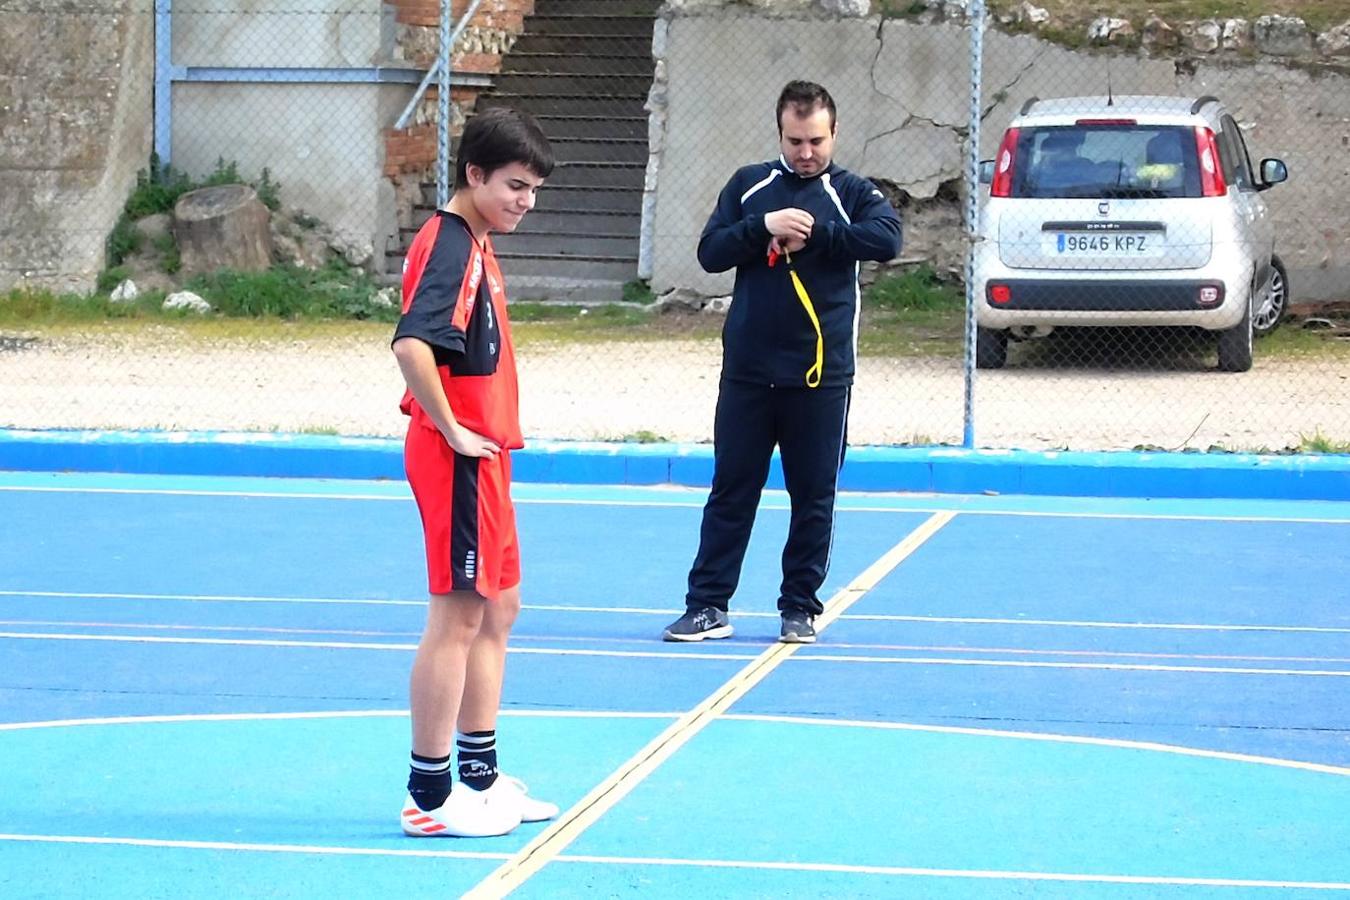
[(156, 379)]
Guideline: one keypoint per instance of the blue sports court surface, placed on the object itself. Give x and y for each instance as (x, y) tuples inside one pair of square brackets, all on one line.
[(203, 692)]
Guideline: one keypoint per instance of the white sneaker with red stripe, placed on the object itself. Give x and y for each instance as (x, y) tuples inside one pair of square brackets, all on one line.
[(531, 809), (466, 813)]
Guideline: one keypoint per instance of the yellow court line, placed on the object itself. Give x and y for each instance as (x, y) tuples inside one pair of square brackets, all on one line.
[(545, 847)]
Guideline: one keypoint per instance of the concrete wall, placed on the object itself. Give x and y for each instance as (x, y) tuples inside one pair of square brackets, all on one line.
[(322, 142), (298, 33), (75, 126), (902, 89)]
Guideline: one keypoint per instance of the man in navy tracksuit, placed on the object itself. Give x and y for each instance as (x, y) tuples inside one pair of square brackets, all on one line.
[(794, 229)]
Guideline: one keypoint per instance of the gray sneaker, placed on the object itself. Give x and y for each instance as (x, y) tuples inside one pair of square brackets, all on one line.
[(798, 628), (699, 623)]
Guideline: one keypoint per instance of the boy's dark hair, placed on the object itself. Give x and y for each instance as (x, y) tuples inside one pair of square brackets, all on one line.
[(804, 97), (498, 137)]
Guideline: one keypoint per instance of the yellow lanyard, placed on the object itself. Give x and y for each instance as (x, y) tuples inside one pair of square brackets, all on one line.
[(812, 374)]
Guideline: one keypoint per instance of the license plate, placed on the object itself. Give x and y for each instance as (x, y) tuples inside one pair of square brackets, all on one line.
[(1114, 244)]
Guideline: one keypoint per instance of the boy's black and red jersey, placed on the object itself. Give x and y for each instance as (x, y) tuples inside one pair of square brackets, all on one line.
[(455, 301)]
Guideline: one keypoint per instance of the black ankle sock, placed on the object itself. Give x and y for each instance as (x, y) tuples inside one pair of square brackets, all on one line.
[(477, 758), (429, 781)]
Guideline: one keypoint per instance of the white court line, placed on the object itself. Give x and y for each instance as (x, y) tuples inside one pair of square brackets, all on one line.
[(812, 721), (1115, 743), (356, 645), (168, 626), (252, 848), (1082, 623), (697, 654), (736, 864), (628, 861), (658, 611), (990, 874), (208, 598), (1030, 651), (697, 503), (324, 714), (910, 648), (1033, 664)]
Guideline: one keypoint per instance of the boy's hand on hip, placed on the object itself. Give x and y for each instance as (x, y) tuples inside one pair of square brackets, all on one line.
[(789, 224), (470, 443)]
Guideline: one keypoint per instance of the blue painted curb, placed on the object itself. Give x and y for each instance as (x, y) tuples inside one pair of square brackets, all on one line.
[(909, 469)]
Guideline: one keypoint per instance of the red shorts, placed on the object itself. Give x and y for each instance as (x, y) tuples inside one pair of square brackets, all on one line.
[(467, 517)]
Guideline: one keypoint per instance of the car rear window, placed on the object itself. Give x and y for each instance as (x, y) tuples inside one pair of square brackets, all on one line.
[(1115, 160)]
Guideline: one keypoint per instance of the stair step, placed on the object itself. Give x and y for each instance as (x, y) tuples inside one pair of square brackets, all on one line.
[(625, 107), (575, 85), (606, 176), (614, 199), (516, 62), (570, 230), (626, 150), (555, 221), (565, 127), (560, 221), (558, 269), (613, 268), (555, 197), (590, 25), (585, 44), (582, 290), (647, 8), (567, 246)]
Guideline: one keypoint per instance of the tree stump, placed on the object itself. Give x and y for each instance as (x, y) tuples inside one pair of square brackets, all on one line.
[(223, 227)]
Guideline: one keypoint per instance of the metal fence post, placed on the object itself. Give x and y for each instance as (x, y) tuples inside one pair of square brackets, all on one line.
[(972, 212), (443, 109)]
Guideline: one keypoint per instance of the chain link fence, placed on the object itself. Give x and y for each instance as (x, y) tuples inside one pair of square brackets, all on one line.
[(1135, 274)]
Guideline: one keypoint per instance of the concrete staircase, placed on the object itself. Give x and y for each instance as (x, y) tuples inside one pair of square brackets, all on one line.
[(582, 68)]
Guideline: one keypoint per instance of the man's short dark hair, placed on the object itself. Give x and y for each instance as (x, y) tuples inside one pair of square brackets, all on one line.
[(805, 97), (499, 136)]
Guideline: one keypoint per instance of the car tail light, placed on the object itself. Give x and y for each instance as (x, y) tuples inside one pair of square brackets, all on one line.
[(1001, 186), (1000, 294), (1106, 122), (1212, 183), (1209, 295)]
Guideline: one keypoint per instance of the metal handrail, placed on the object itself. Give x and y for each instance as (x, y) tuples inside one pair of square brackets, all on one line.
[(434, 71)]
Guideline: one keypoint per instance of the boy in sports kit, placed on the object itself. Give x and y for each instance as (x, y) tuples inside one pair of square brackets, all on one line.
[(453, 346)]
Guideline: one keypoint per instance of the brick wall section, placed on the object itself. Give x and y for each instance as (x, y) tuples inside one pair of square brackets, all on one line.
[(503, 14), (413, 149)]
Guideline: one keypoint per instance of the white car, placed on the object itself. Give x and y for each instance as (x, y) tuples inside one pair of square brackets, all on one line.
[(1126, 211)]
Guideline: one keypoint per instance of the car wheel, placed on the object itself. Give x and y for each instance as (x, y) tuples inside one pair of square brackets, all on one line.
[(1235, 345), (1276, 303), (991, 348)]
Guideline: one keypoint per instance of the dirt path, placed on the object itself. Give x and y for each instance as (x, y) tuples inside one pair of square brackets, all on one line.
[(155, 379)]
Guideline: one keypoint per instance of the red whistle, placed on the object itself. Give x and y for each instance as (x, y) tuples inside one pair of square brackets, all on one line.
[(773, 256)]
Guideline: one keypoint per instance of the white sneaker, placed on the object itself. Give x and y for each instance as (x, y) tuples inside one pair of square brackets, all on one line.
[(466, 813), (531, 809)]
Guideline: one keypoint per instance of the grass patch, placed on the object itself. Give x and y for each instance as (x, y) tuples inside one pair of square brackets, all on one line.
[(291, 292), (1292, 341), (549, 323), (912, 314), (21, 307), (638, 291), (285, 292), (645, 437), (1317, 442)]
